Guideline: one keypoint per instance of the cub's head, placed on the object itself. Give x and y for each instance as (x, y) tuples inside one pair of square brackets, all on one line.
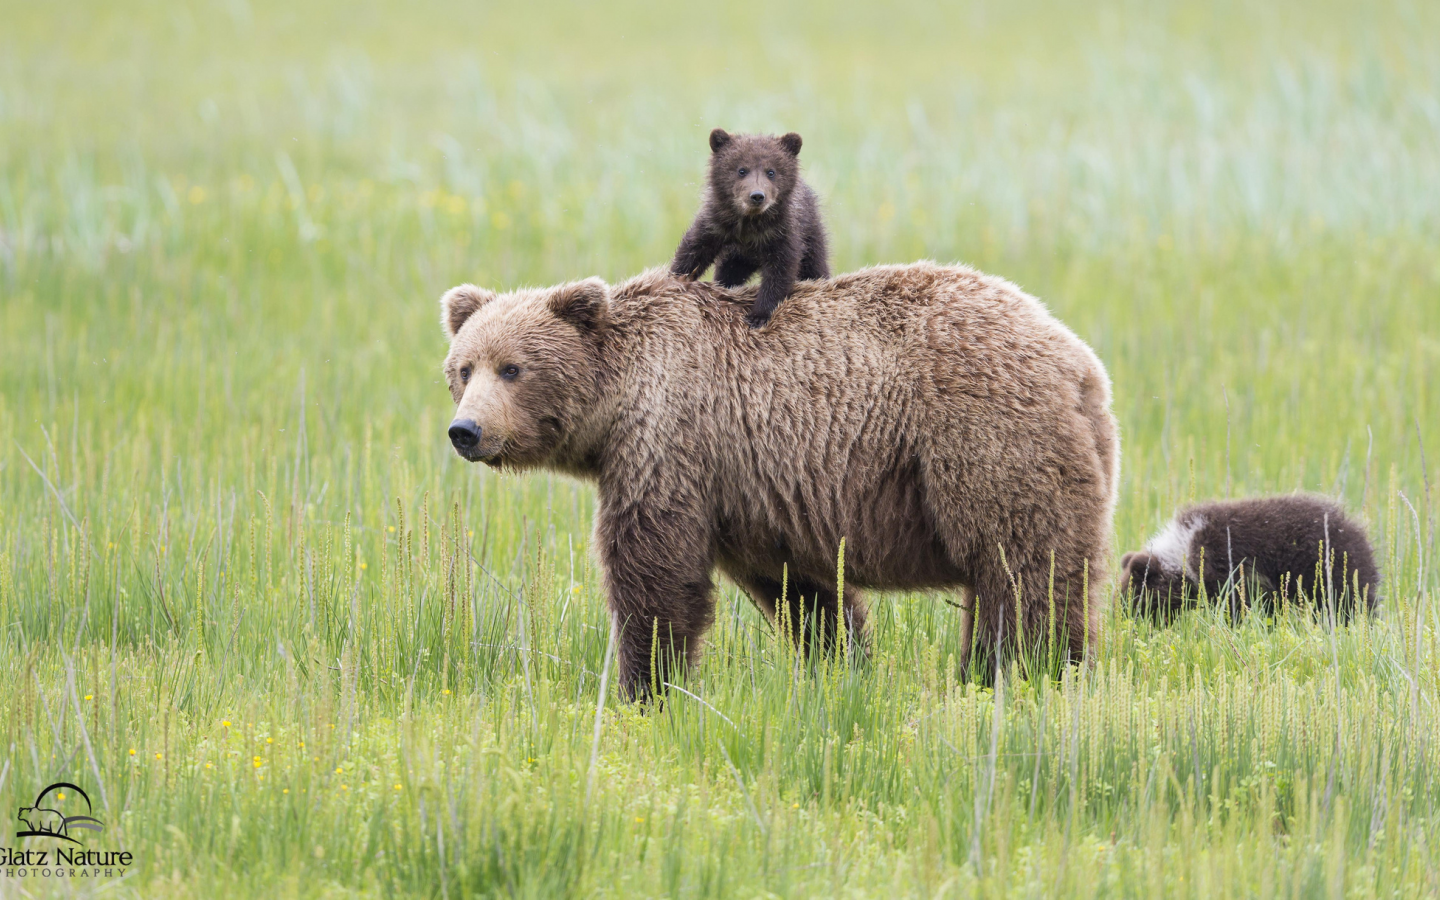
[(753, 172), (524, 368), (1155, 590)]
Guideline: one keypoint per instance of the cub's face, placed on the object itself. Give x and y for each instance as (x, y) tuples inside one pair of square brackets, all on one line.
[(1154, 590), (523, 368), (753, 172)]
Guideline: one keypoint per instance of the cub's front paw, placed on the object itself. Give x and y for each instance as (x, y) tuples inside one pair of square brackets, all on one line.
[(757, 318)]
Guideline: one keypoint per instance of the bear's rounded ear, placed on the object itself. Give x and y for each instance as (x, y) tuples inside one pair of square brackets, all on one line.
[(459, 304), (581, 303), (718, 138), (791, 143), (1137, 569)]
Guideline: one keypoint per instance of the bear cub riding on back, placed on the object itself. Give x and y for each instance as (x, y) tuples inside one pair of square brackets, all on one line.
[(757, 214)]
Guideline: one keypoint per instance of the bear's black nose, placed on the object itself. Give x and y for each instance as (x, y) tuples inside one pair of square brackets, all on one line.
[(464, 434), (757, 197)]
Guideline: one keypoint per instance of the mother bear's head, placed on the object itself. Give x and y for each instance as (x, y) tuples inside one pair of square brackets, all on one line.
[(525, 370)]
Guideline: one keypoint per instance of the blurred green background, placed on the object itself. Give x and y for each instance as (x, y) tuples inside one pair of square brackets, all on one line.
[(250, 596)]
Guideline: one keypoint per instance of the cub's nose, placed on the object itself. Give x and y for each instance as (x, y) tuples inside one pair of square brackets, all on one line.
[(757, 197), (464, 434)]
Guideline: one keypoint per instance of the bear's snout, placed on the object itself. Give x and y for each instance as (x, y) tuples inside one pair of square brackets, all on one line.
[(464, 435), (757, 197)]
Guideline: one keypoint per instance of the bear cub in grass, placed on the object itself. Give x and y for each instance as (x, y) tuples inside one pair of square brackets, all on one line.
[(757, 214), (1297, 546)]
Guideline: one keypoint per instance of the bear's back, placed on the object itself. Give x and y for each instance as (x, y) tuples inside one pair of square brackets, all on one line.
[(915, 329), (885, 306), (855, 369)]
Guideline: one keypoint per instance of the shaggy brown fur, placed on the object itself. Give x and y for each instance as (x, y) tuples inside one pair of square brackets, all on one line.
[(1267, 545), (939, 420), (757, 214)]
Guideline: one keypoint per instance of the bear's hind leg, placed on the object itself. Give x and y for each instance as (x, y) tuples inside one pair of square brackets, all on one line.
[(1042, 625), (734, 269), (813, 265)]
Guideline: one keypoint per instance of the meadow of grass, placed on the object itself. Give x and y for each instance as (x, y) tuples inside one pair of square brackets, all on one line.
[(292, 646)]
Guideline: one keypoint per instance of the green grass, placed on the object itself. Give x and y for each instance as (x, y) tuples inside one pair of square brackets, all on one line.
[(292, 646)]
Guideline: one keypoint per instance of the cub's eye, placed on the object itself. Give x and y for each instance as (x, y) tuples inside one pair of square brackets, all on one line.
[(509, 372), (742, 172), (464, 374), (769, 173)]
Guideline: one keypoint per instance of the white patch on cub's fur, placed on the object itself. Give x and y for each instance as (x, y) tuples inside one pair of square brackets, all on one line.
[(1171, 547)]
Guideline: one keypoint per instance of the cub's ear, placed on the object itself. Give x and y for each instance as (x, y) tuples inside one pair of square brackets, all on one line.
[(791, 143), (459, 304), (718, 138), (1134, 568), (581, 303)]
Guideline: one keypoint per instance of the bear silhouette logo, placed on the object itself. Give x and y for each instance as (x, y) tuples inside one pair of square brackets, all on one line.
[(44, 820)]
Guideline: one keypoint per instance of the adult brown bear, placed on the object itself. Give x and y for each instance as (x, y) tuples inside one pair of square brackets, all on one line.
[(939, 420)]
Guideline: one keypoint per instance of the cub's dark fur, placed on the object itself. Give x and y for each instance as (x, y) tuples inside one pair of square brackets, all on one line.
[(757, 214), (1270, 543)]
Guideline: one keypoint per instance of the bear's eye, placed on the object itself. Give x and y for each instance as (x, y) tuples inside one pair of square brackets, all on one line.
[(509, 372), (742, 172), (464, 374), (769, 173)]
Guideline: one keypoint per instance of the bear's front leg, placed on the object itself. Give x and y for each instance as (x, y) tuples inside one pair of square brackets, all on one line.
[(777, 278), (657, 566), (697, 250)]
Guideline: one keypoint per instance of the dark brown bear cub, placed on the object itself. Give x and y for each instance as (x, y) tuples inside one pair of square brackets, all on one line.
[(757, 214), (1301, 547)]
